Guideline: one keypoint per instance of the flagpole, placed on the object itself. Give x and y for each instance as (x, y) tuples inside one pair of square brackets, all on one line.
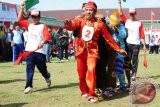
[(151, 23)]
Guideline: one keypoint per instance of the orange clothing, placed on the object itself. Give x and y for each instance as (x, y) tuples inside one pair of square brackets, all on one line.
[(87, 50), (86, 70), (92, 46)]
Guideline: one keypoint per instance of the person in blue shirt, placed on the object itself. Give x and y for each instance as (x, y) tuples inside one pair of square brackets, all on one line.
[(17, 42), (119, 35)]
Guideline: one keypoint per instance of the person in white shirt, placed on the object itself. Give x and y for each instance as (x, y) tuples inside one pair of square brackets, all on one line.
[(135, 35), (156, 44), (38, 36)]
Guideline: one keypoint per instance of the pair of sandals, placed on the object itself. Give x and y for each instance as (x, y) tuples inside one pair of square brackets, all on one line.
[(90, 99)]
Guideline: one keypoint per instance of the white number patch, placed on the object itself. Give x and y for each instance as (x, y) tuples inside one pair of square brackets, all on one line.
[(87, 33)]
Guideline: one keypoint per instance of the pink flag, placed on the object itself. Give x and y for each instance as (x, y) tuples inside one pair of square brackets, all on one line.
[(152, 16)]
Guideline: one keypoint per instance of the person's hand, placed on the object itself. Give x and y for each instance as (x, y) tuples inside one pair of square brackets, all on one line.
[(68, 22), (144, 48), (23, 4), (119, 1), (40, 45), (12, 43), (121, 51)]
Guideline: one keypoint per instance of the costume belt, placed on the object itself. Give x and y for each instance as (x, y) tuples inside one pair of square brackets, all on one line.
[(86, 44)]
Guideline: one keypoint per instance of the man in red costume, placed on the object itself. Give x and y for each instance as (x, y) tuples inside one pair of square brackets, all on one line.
[(87, 48)]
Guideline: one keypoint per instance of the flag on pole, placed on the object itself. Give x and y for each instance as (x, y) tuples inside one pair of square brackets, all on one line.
[(31, 3), (145, 64), (152, 16)]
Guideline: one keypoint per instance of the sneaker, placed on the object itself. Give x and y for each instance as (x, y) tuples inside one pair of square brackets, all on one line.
[(92, 100), (107, 94), (67, 60), (28, 90), (133, 78), (84, 95), (61, 60), (48, 80)]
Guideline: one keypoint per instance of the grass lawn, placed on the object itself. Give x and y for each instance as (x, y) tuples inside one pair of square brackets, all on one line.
[(64, 91)]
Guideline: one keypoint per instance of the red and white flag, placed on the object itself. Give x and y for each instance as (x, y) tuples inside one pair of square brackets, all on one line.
[(152, 16)]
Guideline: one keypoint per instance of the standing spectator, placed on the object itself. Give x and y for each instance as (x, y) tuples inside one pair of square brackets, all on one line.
[(25, 35), (63, 40), (152, 45), (17, 42), (10, 35), (87, 48), (57, 41), (38, 36), (49, 47), (135, 34), (6, 47), (1, 40), (156, 44), (159, 44)]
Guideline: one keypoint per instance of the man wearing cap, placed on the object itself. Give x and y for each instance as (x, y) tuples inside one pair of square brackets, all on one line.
[(38, 36), (87, 48), (135, 34)]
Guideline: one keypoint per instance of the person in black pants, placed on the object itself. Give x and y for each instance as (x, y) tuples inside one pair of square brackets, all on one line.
[(63, 41)]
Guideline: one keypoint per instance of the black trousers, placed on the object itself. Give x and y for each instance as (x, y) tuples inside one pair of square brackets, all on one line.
[(39, 60), (133, 51), (62, 49), (105, 70), (156, 49)]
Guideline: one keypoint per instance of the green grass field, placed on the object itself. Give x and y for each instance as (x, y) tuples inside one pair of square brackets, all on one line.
[(64, 91)]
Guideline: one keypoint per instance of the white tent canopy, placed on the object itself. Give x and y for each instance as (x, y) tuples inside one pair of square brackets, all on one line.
[(8, 12)]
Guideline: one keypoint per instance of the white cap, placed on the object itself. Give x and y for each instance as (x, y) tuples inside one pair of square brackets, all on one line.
[(35, 12), (132, 10)]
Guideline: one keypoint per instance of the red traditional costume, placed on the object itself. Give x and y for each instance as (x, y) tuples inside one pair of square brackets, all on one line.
[(87, 50)]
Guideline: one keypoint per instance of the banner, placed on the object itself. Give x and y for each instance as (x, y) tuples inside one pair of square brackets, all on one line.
[(8, 12), (31, 3)]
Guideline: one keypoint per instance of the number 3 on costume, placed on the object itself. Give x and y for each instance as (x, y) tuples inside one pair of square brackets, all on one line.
[(87, 33)]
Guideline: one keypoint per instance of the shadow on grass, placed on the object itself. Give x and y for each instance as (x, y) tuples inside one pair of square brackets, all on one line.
[(118, 96), (155, 77), (60, 62), (13, 105), (6, 66), (10, 81), (57, 86)]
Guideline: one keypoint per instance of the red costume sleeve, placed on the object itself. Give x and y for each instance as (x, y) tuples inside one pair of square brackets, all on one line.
[(46, 34), (142, 35), (74, 24), (24, 23), (123, 17), (109, 38)]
